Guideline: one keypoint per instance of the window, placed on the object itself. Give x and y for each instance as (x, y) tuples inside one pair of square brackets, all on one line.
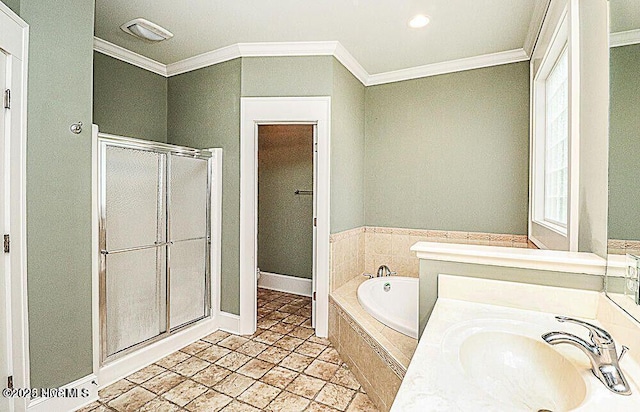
[(556, 165), (552, 217)]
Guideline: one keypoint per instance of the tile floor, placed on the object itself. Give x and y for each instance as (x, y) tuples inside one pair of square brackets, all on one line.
[(282, 367)]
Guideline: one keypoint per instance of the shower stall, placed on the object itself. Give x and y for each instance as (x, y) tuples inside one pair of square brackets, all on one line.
[(154, 206)]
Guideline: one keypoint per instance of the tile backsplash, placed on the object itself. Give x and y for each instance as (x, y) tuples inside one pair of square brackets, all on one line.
[(364, 249)]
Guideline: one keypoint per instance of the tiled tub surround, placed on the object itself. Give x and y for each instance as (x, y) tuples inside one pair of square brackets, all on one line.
[(434, 381), (364, 249), (621, 247), (281, 367), (377, 355)]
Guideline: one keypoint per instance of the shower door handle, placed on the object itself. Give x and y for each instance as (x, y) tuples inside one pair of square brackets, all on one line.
[(132, 249)]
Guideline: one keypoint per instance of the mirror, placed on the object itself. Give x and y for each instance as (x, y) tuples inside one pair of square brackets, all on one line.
[(624, 156)]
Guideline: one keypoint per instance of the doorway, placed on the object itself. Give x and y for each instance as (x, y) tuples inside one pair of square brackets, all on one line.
[(257, 111), (13, 321), (286, 209)]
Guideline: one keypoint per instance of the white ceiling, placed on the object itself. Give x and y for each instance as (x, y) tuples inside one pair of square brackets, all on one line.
[(375, 32)]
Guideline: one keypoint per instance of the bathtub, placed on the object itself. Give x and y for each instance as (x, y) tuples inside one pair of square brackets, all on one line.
[(396, 307)]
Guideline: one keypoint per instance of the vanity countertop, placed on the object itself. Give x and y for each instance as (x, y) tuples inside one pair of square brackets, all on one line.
[(436, 379)]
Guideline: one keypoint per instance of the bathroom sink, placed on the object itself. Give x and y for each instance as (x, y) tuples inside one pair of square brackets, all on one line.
[(521, 371)]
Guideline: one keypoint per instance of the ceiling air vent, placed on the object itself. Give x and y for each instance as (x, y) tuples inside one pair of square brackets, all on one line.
[(144, 29)]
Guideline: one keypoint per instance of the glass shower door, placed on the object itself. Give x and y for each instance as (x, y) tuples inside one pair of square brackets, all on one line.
[(189, 246), (133, 245)]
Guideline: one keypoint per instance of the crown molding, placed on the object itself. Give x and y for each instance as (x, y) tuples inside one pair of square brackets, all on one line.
[(624, 38), (535, 25), (452, 66), (203, 60), (329, 48), (128, 56)]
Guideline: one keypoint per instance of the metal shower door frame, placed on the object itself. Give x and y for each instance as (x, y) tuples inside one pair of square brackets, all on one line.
[(166, 151)]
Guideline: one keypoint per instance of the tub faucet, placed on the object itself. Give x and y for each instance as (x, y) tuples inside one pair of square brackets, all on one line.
[(384, 270), (601, 352)]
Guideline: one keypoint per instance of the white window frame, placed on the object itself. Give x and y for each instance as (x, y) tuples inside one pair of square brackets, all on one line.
[(559, 33)]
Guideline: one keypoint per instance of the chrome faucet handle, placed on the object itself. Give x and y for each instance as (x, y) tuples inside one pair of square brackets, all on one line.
[(368, 275), (624, 350), (598, 335), (392, 273)]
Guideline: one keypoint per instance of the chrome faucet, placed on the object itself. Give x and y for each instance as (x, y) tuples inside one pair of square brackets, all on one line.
[(601, 352), (384, 270)]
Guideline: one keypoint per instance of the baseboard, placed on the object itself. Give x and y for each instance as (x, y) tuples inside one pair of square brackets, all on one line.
[(137, 360), (229, 322), (282, 283), (77, 394)]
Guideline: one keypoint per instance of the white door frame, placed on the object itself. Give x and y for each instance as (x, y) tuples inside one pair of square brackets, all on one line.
[(14, 40), (270, 110)]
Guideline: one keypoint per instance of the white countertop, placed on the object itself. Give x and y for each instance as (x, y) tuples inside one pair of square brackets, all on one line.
[(436, 380)]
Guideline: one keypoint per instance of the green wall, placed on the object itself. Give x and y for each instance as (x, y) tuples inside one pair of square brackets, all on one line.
[(624, 143), (13, 5), (287, 76), (450, 152), (59, 190), (285, 229), (128, 100), (204, 112), (347, 150)]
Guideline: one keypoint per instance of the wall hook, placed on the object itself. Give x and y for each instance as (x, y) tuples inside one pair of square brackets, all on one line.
[(76, 128)]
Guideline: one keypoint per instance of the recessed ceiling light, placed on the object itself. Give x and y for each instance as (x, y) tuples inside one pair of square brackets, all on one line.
[(147, 30), (418, 21)]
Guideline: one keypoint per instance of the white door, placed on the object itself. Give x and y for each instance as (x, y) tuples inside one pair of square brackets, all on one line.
[(315, 226), (5, 285)]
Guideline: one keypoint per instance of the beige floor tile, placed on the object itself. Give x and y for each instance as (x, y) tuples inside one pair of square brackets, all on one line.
[(335, 396), (321, 341), (255, 368), (213, 353), (252, 348), (216, 336), (259, 395), (163, 382), (233, 342), (190, 367), (114, 390), (195, 347), (288, 343), (279, 377), (321, 369), (287, 402), (159, 405), (266, 323), (132, 400), (234, 384), (307, 323), (318, 407), (233, 360), (310, 349), (301, 332), (211, 375), (296, 362), (295, 319), (210, 401), (345, 378), (306, 386), (273, 354), (185, 392), (269, 337), (101, 408), (330, 355), (277, 315), (361, 403), (237, 406), (283, 328), (173, 359), (290, 308), (145, 374), (92, 406)]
